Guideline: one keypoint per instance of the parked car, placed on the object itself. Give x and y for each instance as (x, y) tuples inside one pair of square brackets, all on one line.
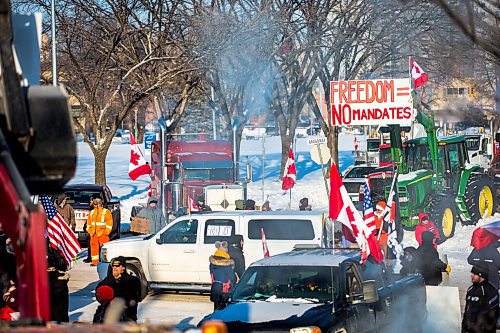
[(323, 290), (354, 178), (177, 256), (79, 197)]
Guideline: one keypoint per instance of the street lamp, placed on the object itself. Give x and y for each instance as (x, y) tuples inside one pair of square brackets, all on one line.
[(54, 56)]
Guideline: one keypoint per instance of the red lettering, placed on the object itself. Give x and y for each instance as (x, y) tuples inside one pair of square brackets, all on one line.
[(351, 87), (360, 87), (342, 92), (389, 88), (333, 89), (336, 114), (406, 112), (347, 115)]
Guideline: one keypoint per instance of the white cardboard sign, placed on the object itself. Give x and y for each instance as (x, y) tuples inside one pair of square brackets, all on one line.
[(371, 102), (316, 141)]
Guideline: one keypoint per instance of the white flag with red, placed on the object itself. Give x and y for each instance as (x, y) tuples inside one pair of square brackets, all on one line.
[(138, 165), (265, 249), (290, 174), (342, 209), (417, 74), (192, 206)]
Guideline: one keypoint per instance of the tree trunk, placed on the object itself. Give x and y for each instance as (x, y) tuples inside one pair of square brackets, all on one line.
[(100, 167)]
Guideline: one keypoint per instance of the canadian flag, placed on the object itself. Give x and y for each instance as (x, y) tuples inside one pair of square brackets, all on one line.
[(342, 209), (417, 74), (138, 165), (356, 143), (290, 174), (265, 249), (192, 206)]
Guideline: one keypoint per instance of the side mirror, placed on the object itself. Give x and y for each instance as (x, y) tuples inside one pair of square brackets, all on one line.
[(158, 240), (370, 293)]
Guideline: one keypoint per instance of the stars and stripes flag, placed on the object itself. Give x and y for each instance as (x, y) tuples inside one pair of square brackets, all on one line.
[(418, 75), (265, 249), (369, 215), (61, 237), (290, 173), (342, 209), (390, 218)]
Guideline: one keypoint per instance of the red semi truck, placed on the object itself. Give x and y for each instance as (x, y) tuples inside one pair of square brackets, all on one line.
[(197, 168)]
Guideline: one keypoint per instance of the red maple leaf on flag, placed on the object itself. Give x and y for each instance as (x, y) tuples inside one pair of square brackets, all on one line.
[(134, 157)]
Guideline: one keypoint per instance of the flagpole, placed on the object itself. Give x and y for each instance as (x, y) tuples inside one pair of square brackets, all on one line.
[(290, 202)]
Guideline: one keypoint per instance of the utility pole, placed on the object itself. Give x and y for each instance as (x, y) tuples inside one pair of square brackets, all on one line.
[(54, 55)]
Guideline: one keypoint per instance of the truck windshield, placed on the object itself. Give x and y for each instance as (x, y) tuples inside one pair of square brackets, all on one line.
[(472, 143), (372, 145), (418, 157), (208, 174), (313, 283), (359, 172)]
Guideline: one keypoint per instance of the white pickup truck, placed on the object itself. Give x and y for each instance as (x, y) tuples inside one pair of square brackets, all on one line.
[(177, 256)]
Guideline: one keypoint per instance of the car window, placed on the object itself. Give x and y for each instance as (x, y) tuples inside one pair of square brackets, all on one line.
[(353, 281), (218, 230), (316, 283), (359, 172), (182, 232), (77, 196), (286, 229)]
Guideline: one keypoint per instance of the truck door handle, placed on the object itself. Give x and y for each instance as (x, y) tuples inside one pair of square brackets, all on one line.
[(188, 251)]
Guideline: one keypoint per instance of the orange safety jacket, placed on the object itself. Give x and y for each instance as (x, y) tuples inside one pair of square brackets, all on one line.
[(99, 222)]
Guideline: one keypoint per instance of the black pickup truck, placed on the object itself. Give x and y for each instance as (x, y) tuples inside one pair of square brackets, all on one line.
[(79, 197), (325, 289)]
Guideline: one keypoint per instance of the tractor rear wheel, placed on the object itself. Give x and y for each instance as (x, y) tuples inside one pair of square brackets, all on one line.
[(443, 213), (480, 197)]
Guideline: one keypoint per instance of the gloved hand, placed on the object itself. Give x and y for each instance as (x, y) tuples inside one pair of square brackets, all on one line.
[(448, 269)]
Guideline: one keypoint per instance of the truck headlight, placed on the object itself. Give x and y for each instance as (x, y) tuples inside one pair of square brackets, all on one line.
[(308, 329), (104, 254)]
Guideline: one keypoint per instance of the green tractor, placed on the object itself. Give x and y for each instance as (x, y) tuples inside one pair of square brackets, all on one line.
[(435, 177)]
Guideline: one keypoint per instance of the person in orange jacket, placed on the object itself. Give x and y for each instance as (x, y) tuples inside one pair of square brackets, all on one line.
[(99, 225), (381, 232)]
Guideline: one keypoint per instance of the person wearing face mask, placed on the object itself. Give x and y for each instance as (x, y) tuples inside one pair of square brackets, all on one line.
[(124, 286)]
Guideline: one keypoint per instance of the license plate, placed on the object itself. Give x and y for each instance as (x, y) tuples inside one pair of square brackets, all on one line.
[(403, 199), (80, 219)]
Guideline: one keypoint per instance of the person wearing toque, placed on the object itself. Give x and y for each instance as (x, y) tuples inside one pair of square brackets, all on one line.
[(124, 286), (481, 303)]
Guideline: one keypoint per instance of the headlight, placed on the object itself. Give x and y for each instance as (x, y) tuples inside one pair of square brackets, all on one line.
[(309, 329), (104, 254)]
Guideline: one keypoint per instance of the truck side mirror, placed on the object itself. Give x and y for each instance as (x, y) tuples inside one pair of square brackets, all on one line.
[(158, 240), (370, 293)]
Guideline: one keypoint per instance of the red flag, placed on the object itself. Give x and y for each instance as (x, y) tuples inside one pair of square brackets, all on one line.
[(342, 209), (290, 174), (265, 249), (485, 235), (61, 237), (138, 165), (417, 74), (192, 206)]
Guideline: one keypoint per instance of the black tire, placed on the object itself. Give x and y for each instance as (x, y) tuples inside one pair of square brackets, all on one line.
[(441, 210), (480, 192), (133, 270)]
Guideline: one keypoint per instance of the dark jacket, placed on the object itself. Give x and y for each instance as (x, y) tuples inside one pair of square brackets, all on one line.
[(58, 286), (490, 256), (481, 309), (223, 277), (236, 253), (428, 262), (408, 267), (127, 287)]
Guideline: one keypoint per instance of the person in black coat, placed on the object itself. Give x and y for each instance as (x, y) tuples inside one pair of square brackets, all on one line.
[(481, 303), (58, 286), (235, 251), (429, 264), (222, 275), (124, 286), (408, 262)]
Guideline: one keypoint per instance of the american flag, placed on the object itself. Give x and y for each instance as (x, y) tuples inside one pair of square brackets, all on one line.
[(369, 215), (390, 218), (61, 237)]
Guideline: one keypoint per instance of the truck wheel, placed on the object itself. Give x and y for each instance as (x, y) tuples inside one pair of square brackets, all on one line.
[(444, 215), (480, 198), (133, 270)]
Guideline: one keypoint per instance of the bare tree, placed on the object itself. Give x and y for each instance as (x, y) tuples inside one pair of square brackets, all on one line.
[(115, 54)]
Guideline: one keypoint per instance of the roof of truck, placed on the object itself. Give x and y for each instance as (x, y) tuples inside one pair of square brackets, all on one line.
[(294, 213), (314, 257), (441, 139)]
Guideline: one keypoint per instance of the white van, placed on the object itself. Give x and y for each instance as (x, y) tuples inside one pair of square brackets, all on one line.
[(177, 256)]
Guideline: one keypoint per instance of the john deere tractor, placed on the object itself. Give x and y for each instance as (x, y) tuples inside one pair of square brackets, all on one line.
[(435, 177)]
